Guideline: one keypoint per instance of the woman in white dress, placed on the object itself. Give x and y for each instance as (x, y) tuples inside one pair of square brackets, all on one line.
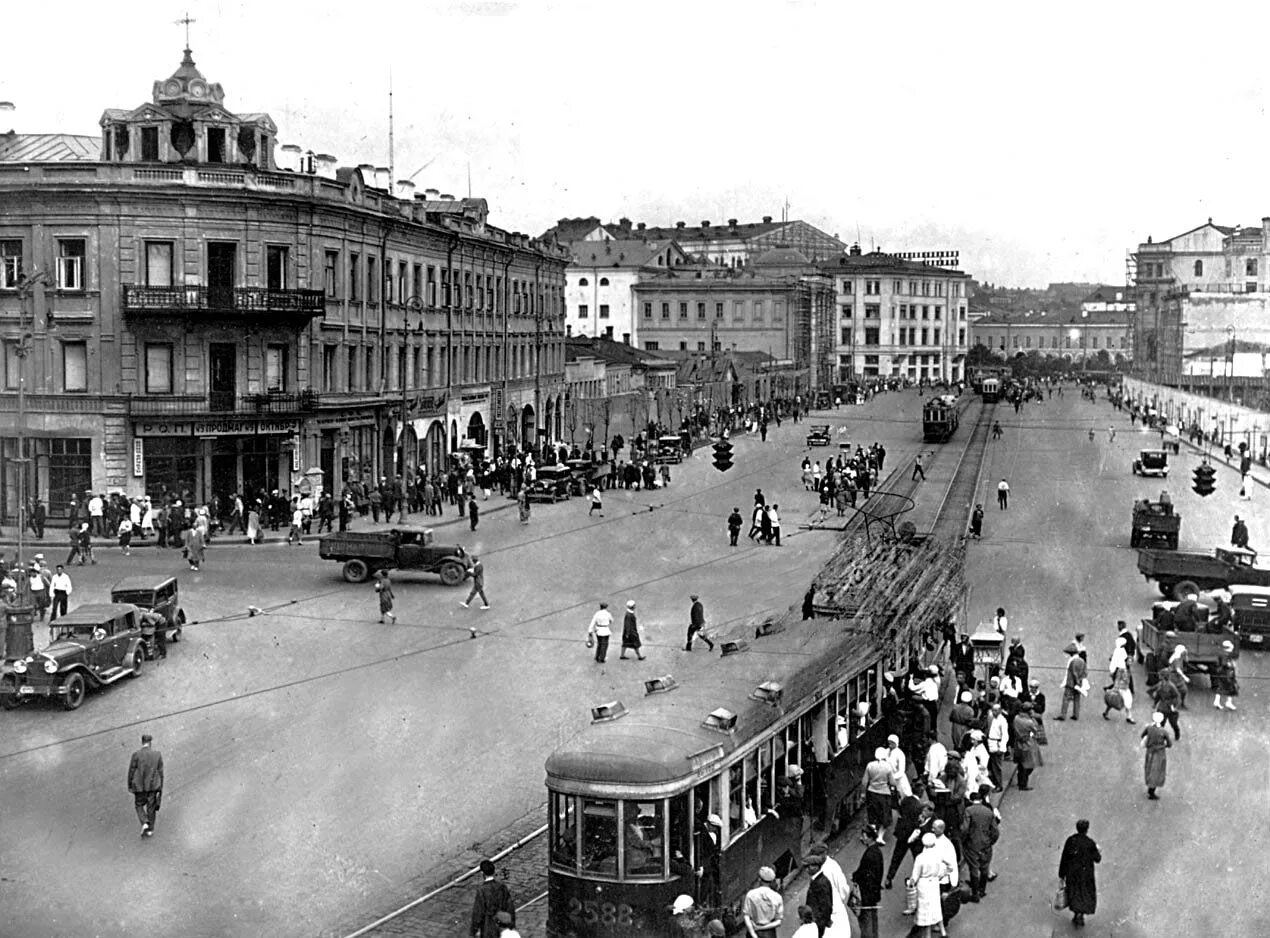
[(927, 869)]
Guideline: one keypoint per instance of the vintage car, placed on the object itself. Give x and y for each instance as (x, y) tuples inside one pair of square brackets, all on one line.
[(818, 435), (1159, 635), (96, 644), (551, 484), (1156, 523), (159, 594), (363, 552), (1251, 608), (1180, 573), (1151, 462), (670, 448)]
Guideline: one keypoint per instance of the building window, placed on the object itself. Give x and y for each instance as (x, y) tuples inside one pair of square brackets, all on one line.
[(651, 347), (897, 286), (846, 336), (330, 262), (275, 267), (1250, 267), (872, 287), (939, 313), (10, 264), (683, 310), (604, 281), (70, 264), (372, 280), (583, 311), (871, 336), (683, 346), (872, 311), (1093, 342), (604, 310), (215, 145), (758, 310), (158, 263), (847, 287), (648, 310), (718, 310), (738, 310), (701, 346), (431, 298), (1199, 268), (158, 368), (701, 310), (416, 286), (12, 366), (275, 367), (74, 366), (354, 276), (328, 367), (934, 336), (665, 310), (150, 144), (583, 282)]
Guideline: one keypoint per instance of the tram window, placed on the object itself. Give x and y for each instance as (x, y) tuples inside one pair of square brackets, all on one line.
[(781, 750), (599, 836), (644, 838), (736, 800), (564, 830), (681, 826)]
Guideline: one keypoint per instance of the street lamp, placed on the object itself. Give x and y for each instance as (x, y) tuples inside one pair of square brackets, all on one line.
[(26, 291), (413, 304)]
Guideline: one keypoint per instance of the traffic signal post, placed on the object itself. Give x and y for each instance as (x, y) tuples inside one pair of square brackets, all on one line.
[(723, 455), (1204, 483)]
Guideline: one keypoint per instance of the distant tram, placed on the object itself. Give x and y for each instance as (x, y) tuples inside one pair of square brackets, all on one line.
[(939, 419), (630, 799), (990, 389)]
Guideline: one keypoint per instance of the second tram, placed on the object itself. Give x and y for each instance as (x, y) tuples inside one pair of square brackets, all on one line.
[(939, 419)]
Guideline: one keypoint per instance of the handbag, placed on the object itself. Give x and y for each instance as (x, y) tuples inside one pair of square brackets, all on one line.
[(1060, 898), (910, 896)]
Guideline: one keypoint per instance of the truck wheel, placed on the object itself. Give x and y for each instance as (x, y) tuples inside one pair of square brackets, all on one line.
[(1166, 588), (1183, 588), (452, 574), (9, 698), (356, 571), (75, 690)]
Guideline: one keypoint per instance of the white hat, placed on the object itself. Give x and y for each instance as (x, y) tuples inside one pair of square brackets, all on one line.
[(630, 604), (715, 820), (681, 905), (967, 696), (795, 771)]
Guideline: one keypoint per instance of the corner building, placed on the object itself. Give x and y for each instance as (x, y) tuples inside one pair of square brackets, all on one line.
[(201, 321)]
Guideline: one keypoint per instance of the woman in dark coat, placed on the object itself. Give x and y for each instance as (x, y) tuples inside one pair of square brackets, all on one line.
[(630, 632), (1076, 870)]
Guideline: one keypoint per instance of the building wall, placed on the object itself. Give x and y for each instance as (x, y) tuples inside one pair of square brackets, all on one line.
[(745, 316), (1053, 338), (603, 287)]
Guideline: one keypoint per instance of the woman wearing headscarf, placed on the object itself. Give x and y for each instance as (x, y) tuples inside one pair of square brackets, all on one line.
[(1156, 742), (928, 868)]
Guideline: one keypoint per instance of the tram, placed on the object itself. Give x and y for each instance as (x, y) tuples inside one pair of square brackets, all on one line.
[(990, 389), (939, 419), (631, 798)]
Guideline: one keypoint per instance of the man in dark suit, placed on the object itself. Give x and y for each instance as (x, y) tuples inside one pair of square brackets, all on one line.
[(868, 880), (492, 897), (145, 781), (819, 891)]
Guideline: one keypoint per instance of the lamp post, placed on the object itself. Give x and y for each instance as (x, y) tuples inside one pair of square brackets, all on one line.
[(413, 304), (26, 292)]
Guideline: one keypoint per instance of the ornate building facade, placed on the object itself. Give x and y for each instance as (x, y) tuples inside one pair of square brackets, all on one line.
[(185, 317)]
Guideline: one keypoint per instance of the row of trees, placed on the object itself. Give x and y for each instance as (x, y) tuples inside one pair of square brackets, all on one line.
[(1032, 364)]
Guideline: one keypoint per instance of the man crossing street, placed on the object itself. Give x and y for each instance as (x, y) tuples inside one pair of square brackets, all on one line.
[(145, 781)]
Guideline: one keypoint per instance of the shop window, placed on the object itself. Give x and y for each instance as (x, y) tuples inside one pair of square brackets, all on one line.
[(10, 263), (70, 264), (158, 368), (276, 367), (158, 263), (74, 366), (70, 467)]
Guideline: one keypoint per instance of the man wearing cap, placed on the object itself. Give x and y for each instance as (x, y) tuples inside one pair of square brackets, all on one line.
[(1239, 534), (961, 718), (998, 741), (820, 896), (908, 820), (707, 847), (630, 632), (1073, 682), (491, 898), (1027, 753), (145, 781), (980, 831), (868, 880), (763, 908), (697, 623)]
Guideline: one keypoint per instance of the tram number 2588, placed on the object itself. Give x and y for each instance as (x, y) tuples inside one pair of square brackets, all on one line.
[(604, 914)]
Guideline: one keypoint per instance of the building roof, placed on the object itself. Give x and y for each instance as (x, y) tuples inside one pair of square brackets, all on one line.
[(1107, 294), (1224, 229), (632, 253), (877, 262), (42, 148), (616, 353), (1041, 318), (744, 231), (781, 256), (572, 229)]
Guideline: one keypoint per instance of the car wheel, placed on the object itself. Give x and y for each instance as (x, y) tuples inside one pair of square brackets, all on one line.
[(75, 690), (1166, 588), (138, 659), (9, 698), (1184, 588), (356, 571), (452, 574)]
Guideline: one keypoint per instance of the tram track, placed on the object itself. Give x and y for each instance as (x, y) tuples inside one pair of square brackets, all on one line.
[(520, 851)]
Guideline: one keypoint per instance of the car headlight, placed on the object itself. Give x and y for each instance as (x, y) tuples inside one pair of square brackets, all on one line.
[(20, 666), (50, 666)]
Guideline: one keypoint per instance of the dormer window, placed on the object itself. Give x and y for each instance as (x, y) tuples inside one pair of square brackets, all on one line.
[(150, 144), (215, 145)]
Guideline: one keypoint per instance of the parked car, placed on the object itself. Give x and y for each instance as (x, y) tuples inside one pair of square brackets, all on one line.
[(363, 552), (159, 594), (551, 484), (1151, 462), (1251, 606), (818, 435), (96, 644), (670, 448)]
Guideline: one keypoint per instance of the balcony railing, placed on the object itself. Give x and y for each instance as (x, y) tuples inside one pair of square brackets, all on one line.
[(230, 300), (217, 403)]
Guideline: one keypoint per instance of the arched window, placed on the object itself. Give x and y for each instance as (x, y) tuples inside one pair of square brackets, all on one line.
[(604, 281), (1199, 268), (584, 282)]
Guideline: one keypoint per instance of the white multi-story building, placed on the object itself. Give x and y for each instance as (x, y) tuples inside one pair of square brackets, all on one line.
[(599, 300)]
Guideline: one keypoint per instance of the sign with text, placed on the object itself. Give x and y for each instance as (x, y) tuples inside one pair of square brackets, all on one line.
[(426, 405), (138, 457), (217, 426)]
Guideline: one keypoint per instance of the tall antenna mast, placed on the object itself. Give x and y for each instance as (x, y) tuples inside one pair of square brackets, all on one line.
[(392, 163), (469, 179)]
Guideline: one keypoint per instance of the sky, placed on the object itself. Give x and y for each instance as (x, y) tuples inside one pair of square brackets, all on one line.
[(1042, 141)]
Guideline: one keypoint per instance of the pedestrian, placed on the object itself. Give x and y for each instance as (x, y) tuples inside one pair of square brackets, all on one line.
[(522, 503), (980, 832), (145, 781), (877, 782), (976, 522), (1167, 700), (775, 519), (697, 623), (820, 897), (492, 897), (297, 523), (996, 429), (597, 502), (927, 869), (125, 536), (630, 632), (918, 471), (756, 522), (998, 739), (599, 632), (62, 588), (473, 514), (1076, 871), (1118, 691), (1003, 494), (1223, 677), (763, 909), (383, 586), (1239, 534), (868, 882), (1075, 682), (38, 516), (734, 526), (1156, 742), (476, 570), (253, 523), (1027, 750), (194, 543)]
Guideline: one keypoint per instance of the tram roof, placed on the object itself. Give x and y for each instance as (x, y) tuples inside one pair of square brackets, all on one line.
[(663, 737)]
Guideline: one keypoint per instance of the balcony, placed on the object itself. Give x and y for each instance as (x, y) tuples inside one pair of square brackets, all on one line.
[(299, 306), (191, 405)]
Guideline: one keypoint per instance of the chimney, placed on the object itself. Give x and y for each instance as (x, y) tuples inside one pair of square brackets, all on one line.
[(405, 189), (383, 178), (368, 173), (679, 225), (324, 165), (288, 159), (624, 224), (705, 224), (431, 194), (732, 223), (447, 198), (626, 338), (767, 219)]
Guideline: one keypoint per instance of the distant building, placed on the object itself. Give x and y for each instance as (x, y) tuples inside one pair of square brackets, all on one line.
[(612, 387), (1077, 337), (598, 298), (898, 318)]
